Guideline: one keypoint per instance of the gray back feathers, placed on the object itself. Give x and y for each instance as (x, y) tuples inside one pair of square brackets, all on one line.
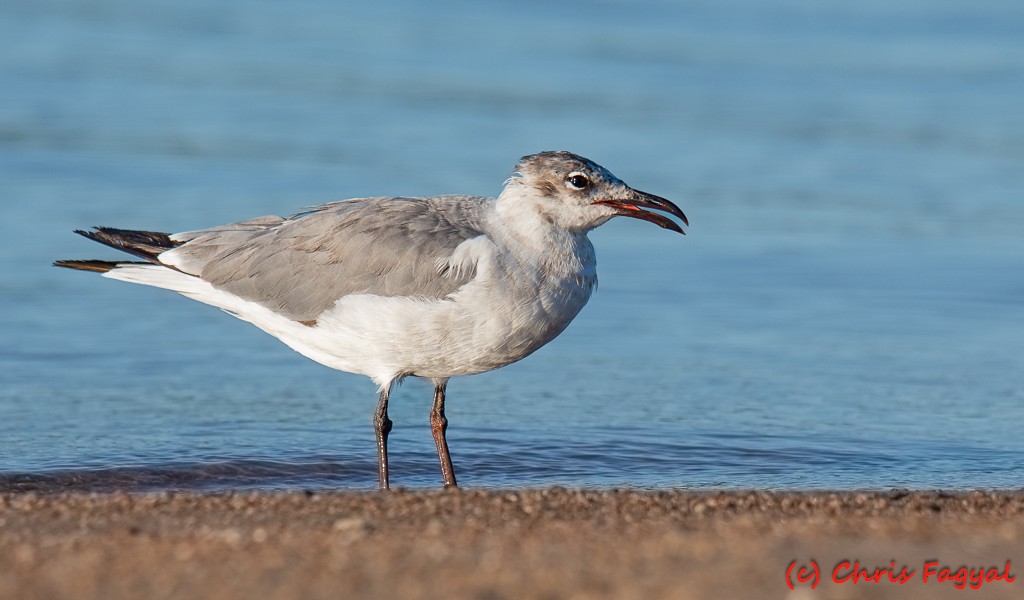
[(302, 265)]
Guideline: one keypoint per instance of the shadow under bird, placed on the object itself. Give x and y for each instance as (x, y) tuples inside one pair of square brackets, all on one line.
[(398, 287)]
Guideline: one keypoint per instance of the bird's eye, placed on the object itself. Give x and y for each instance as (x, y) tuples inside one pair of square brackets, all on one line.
[(577, 180)]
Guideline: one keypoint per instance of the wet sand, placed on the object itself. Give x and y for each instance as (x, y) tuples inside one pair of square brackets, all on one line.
[(551, 543)]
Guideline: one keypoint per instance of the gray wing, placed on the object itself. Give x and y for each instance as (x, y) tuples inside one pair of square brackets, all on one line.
[(302, 265)]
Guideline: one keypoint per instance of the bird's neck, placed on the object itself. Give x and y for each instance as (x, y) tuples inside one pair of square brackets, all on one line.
[(523, 228)]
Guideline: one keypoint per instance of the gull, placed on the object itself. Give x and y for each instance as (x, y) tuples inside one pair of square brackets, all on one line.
[(393, 287)]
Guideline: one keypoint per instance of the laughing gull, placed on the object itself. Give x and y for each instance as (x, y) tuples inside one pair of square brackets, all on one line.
[(398, 287)]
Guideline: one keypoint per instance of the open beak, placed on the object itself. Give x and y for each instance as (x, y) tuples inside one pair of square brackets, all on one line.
[(634, 207)]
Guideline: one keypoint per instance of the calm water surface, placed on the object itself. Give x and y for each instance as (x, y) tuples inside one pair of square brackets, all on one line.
[(847, 310)]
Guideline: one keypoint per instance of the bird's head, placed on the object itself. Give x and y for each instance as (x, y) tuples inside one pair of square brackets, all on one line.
[(578, 194)]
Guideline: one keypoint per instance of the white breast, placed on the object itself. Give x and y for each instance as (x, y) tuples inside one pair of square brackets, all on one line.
[(510, 309)]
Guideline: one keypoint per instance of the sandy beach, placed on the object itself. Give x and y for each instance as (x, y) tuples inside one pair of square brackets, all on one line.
[(550, 543)]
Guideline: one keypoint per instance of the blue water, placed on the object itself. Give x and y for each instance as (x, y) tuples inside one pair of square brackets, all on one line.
[(847, 310)]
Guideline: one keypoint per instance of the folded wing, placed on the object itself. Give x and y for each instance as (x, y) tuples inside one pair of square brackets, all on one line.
[(302, 265)]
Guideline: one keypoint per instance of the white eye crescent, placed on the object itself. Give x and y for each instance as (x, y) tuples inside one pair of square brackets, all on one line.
[(577, 181)]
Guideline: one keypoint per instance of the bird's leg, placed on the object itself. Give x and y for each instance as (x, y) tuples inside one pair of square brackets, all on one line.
[(382, 426), (438, 426)]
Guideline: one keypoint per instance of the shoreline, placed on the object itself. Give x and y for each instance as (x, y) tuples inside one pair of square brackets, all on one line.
[(551, 542)]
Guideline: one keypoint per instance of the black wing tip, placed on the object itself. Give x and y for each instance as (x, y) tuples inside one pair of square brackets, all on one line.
[(93, 232), (143, 244), (96, 266)]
